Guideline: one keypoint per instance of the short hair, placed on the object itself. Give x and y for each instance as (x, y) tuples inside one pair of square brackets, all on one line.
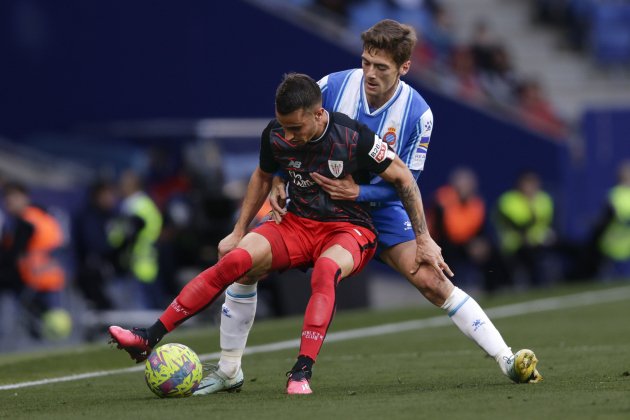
[(395, 38), (14, 187), (297, 91)]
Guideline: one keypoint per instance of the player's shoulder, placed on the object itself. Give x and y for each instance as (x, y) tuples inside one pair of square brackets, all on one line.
[(419, 105), (341, 119), (272, 126), (338, 78)]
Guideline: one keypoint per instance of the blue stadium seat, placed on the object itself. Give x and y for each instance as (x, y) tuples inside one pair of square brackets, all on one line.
[(610, 34)]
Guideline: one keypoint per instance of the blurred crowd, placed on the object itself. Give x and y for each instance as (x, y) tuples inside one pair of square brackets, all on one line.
[(128, 243), (515, 243), (122, 250), (479, 70)]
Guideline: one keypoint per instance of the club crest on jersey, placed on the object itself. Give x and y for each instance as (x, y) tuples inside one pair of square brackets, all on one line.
[(336, 167), (390, 136)]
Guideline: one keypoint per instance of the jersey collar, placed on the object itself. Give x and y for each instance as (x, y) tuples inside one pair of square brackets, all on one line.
[(366, 105), (318, 139)]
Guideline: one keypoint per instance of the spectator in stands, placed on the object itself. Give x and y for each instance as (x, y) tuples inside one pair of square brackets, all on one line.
[(135, 235), (524, 217), (537, 113), (93, 252), (498, 80), (611, 236), (483, 43), (464, 81), (458, 220), (438, 33), (29, 266)]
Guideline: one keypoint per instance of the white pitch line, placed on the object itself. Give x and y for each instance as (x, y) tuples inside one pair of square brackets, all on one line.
[(506, 311)]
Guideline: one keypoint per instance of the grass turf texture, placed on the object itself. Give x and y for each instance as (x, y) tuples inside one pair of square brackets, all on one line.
[(430, 373)]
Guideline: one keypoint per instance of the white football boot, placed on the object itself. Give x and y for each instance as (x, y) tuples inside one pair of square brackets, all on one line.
[(217, 381)]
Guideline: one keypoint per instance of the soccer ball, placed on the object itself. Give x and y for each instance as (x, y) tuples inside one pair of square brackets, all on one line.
[(173, 370)]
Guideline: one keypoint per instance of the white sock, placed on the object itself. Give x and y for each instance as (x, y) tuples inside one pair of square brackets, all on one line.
[(237, 317), (466, 313)]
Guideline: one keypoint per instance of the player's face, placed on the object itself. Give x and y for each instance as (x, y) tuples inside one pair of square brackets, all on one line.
[(381, 75), (302, 125)]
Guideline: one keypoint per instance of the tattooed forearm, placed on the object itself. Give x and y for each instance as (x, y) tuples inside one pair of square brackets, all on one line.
[(412, 201)]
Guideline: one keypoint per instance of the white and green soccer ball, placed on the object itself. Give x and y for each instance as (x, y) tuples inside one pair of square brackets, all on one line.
[(173, 370)]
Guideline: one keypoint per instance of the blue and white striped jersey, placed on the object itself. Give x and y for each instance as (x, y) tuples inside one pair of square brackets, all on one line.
[(405, 122)]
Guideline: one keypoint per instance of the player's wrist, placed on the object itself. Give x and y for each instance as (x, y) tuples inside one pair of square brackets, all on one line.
[(423, 237)]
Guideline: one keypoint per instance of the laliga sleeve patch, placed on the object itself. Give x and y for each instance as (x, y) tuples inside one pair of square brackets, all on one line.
[(420, 154), (417, 162), (379, 150)]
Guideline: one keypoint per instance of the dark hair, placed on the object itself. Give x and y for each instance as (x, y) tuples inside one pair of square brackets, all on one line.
[(14, 187), (393, 37), (297, 91)]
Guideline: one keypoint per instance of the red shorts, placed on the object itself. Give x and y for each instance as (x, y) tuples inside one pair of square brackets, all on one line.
[(298, 242)]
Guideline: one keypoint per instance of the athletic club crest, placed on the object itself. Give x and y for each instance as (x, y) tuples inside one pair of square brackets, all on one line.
[(336, 167)]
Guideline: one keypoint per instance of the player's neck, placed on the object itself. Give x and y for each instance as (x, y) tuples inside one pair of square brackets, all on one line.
[(375, 102), (322, 126)]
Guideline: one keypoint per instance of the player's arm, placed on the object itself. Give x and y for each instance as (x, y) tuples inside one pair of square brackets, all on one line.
[(257, 191), (255, 196), (427, 251), (375, 156), (413, 152)]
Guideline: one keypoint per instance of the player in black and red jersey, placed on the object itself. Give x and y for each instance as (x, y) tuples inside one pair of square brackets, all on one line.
[(336, 238)]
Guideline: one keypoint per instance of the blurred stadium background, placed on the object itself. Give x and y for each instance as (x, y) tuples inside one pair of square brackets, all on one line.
[(178, 93)]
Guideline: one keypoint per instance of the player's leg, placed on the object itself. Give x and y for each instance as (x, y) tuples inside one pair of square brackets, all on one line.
[(397, 249), (348, 254), (240, 306), (237, 317), (253, 254)]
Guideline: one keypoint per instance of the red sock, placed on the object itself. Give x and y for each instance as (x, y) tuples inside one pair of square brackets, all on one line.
[(203, 289), (321, 306)]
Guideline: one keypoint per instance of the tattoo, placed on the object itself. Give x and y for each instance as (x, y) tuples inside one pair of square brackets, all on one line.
[(412, 201)]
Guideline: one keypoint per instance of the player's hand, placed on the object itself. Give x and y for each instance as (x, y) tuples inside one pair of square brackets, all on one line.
[(429, 252), (229, 243), (338, 189), (278, 199)]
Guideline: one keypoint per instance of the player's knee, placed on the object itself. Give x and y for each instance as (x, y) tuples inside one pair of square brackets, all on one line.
[(326, 274), (249, 279), (431, 284), (233, 266)]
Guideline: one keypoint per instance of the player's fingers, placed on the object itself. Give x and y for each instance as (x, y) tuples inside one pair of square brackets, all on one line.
[(281, 193), (415, 268), (447, 269), (274, 216), (317, 178), (322, 180), (275, 205)]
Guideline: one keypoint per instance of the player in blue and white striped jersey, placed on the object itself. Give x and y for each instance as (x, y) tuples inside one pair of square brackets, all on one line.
[(376, 96), (399, 115)]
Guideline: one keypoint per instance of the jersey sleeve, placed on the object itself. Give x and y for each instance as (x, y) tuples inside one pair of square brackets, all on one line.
[(374, 154), (415, 156), (380, 191), (266, 160), (323, 86)]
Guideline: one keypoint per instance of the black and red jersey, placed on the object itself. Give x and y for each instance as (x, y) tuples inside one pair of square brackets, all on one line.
[(346, 147)]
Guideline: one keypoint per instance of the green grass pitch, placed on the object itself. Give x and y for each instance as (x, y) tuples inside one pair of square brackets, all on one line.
[(432, 373)]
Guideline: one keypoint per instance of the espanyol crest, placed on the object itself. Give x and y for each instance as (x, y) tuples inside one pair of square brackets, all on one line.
[(336, 167)]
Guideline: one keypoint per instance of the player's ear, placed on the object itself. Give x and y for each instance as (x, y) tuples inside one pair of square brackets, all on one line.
[(404, 69), (319, 113)]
